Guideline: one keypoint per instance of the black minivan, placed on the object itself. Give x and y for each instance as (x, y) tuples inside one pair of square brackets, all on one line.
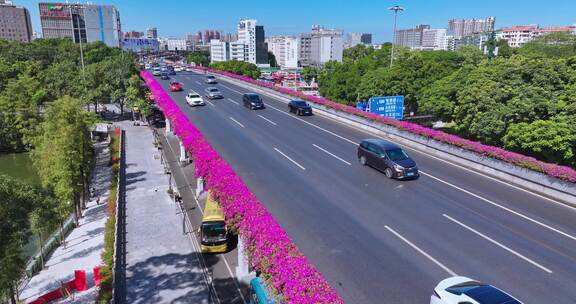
[(252, 101), (388, 158)]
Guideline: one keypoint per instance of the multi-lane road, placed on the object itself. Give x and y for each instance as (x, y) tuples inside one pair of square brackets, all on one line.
[(383, 241)]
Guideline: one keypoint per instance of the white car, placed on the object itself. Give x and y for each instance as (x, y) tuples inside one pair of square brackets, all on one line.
[(178, 69), (189, 69), (194, 99), (457, 290)]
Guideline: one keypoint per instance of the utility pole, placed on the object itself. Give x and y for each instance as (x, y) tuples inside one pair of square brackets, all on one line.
[(396, 9)]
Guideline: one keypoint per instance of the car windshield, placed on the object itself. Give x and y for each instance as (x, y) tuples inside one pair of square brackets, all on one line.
[(210, 77), (214, 231), (193, 95), (484, 294), (397, 154), (300, 103), (254, 97), (213, 90)]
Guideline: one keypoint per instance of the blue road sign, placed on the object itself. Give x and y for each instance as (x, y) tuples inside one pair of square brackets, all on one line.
[(389, 106)]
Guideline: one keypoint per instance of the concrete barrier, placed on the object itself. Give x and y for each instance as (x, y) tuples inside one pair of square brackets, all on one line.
[(526, 179)]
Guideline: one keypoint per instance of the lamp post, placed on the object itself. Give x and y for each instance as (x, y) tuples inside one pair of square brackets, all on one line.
[(75, 17), (396, 9)]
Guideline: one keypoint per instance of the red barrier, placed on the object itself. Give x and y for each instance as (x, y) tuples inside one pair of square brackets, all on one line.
[(97, 276), (80, 280)]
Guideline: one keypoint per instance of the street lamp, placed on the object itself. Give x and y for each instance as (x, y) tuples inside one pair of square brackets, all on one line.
[(396, 9)]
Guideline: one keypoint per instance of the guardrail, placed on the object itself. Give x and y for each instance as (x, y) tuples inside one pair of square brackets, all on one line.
[(119, 257)]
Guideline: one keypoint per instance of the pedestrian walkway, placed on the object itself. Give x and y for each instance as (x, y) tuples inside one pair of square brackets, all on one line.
[(161, 264), (84, 245)]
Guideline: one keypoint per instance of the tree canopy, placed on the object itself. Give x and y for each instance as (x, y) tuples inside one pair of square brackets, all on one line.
[(493, 100)]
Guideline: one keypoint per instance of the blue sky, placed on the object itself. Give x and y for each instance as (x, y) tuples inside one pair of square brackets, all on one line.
[(176, 18)]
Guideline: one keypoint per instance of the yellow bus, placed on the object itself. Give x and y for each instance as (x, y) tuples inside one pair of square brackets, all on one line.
[(213, 232)]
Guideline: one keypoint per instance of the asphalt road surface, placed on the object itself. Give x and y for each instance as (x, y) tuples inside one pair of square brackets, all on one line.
[(384, 241)]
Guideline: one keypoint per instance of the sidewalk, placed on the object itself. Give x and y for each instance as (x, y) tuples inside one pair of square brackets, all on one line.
[(84, 244), (161, 264)]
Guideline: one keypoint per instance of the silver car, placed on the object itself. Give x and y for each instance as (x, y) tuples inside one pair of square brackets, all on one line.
[(213, 93)]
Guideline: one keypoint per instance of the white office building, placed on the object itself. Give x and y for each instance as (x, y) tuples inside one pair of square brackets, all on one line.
[(239, 51), (320, 46), (286, 51), (436, 39), (219, 51)]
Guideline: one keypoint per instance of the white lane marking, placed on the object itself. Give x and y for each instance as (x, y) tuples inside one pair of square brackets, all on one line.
[(210, 103), (315, 126), (398, 235), (232, 100), (499, 245), (198, 83), (501, 207), (331, 154), (290, 159), (234, 120), (231, 89), (268, 120), (438, 179)]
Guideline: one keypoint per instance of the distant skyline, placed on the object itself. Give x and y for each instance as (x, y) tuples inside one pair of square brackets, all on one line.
[(297, 16)]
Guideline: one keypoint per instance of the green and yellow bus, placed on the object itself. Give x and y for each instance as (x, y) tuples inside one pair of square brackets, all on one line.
[(213, 232)]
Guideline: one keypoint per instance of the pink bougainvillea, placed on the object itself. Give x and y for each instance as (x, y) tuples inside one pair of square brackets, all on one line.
[(558, 171), (269, 249)]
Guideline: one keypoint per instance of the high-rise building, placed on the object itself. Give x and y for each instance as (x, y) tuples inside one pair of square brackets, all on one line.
[(152, 33), (252, 36), (460, 27), (411, 38), (354, 39), (286, 51), (81, 21), (320, 46), (209, 35), (230, 37), (15, 22), (247, 35)]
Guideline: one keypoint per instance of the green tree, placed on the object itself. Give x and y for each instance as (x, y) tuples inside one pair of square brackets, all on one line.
[(201, 58), (237, 67), (550, 140), (16, 202), (272, 60), (62, 153)]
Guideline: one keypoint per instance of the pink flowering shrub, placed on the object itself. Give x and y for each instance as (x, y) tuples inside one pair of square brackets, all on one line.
[(558, 171), (269, 249)]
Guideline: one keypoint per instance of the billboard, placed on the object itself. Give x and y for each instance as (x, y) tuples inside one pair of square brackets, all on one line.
[(54, 10), (389, 106), (140, 44)]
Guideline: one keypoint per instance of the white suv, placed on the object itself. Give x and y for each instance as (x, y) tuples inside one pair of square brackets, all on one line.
[(457, 290), (194, 99)]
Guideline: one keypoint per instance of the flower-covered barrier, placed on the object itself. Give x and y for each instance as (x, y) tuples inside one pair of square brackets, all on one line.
[(562, 172), (269, 249)]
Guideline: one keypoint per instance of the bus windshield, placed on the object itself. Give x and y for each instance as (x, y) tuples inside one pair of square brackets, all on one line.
[(214, 231)]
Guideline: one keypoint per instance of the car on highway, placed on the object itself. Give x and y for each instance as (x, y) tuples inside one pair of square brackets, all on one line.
[(175, 86), (252, 101), (194, 99), (164, 76), (458, 290), (300, 107), (178, 69), (156, 72), (388, 158), (213, 93), (210, 79), (189, 69)]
